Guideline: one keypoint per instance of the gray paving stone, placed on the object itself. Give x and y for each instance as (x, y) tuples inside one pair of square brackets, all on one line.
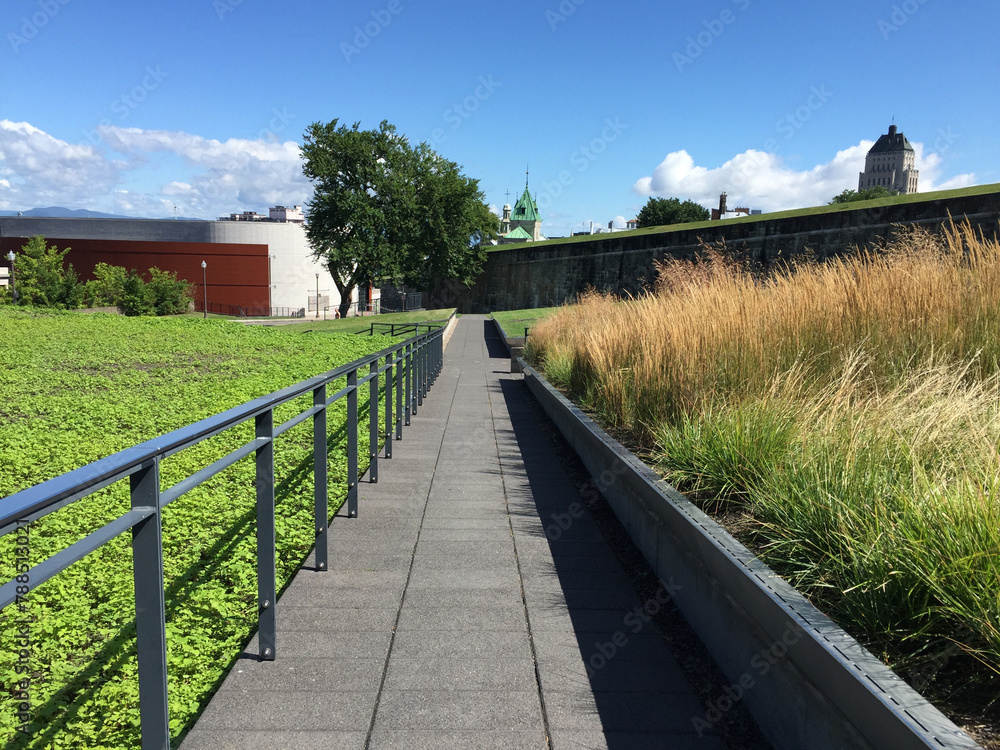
[(344, 596), (499, 523), (584, 620), (503, 579), (618, 646), (360, 579), (305, 674), (450, 598), (623, 712), (508, 616), (220, 739), (284, 711), (613, 579), (542, 593), (469, 509), (363, 644), (497, 533), (568, 739), (456, 644), (325, 619), (433, 550), (559, 563), (462, 674), (472, 739), (450, 710), (567, 676), (467, 559)]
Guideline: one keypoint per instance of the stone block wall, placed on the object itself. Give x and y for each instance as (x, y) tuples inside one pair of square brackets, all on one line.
[(545, 274)]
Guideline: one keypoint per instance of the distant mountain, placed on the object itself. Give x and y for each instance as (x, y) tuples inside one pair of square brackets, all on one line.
[(58, 212)]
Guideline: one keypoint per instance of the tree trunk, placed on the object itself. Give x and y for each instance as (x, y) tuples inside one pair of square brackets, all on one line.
[(346, 292)]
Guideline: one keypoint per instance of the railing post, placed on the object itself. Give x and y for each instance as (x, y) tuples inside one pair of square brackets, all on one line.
[(419, 385), (399, 354), (424, 366), (411, 403), (266, 575), (352, 444), (373, 421), (389, 377), (150, 610), (438, 355), (321, 479)]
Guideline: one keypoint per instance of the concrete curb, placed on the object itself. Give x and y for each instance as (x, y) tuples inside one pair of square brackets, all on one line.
[(449, 329), (513, 344), (806, 681)]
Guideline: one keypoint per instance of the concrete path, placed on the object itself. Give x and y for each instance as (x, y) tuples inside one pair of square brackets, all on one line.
[(449, 617)]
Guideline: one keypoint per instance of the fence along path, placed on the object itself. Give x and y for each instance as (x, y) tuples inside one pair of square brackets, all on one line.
[(448, 617)]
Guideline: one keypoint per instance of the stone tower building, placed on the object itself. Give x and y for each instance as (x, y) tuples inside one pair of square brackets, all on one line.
[(891, 164), (526, 216)]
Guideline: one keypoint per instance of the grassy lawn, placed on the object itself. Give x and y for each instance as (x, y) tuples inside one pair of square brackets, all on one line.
[(356, 325), (514, 322), (75, 388)]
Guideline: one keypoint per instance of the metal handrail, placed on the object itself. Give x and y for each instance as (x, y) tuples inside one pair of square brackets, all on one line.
[(410, 366), (401, 329)]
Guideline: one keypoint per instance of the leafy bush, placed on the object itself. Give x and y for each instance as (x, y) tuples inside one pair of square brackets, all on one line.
[(107, 287), (137, 296), (41, 278), (171, 296)]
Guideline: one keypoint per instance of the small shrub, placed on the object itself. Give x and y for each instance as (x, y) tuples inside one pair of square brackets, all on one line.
[(170, 295), (137, 298), (107, 287)]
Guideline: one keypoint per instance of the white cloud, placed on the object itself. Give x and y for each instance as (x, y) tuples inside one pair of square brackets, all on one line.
[(230, 175), (37, 169), (758, 179)]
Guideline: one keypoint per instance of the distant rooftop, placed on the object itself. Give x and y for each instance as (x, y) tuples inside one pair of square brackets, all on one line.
[(890, 142), (280, 214)]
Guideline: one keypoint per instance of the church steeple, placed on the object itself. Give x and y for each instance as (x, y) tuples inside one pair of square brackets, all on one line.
[(525, 214)]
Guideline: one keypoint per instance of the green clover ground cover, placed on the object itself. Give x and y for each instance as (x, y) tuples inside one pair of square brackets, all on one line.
[(76, 388)]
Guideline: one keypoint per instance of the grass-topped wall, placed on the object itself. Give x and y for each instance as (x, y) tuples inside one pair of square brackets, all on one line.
[(541, 274)]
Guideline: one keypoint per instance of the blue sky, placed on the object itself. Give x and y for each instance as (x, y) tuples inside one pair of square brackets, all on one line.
[(137, 107)]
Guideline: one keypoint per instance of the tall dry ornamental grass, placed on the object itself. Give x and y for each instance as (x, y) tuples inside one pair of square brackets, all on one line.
[(851, 408), (713, 330)]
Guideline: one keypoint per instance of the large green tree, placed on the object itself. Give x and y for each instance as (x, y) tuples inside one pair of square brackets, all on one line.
[(851, 196), (660, 212), (385, 211), (449, 225), (359, 201)]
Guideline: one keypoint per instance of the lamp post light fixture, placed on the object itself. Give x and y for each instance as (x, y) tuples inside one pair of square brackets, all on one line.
[(13, 286), (204, 285)]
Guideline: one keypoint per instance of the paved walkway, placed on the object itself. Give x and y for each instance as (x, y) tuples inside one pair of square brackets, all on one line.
[(449, 619)]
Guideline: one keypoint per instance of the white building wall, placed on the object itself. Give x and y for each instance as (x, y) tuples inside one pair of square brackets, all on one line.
[(292, 268)]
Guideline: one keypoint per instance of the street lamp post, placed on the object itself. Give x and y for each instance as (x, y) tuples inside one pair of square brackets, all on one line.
[(317, 295), (204, 285), (13, 286)]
